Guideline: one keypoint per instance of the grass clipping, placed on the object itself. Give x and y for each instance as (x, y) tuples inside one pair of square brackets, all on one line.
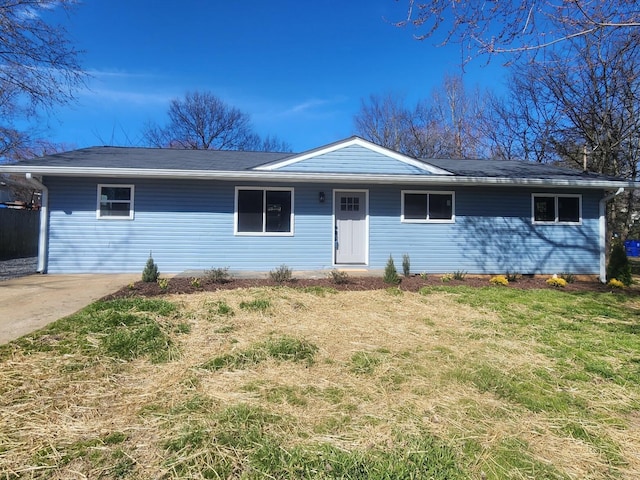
[(311, 383)]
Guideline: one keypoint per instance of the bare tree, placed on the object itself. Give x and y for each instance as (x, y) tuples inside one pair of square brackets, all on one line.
[(272, 143), (38, 65), (202, 121), (513, 27), (386, 121), (444, 125), (458, 114), (581, 108)]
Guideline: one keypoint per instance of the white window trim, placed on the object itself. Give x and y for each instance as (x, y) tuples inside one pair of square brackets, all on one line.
[(556, 221), (264, 213), (130, 202), (428, 220)]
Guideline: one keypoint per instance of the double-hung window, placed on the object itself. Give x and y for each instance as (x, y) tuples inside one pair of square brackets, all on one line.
[(115, 202), (425, 207), (264, 211), (556, 208)]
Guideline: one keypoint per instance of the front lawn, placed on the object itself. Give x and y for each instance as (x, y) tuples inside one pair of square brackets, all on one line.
[(309, 382)]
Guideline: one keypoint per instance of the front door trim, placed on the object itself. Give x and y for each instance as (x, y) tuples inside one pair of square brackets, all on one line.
[(337, 191)]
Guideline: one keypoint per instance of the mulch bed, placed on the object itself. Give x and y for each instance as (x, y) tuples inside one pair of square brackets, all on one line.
[(185, 285)]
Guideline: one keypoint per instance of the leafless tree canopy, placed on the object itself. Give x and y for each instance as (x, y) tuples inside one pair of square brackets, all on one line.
[(516, 26), (39, 67), (202, 121), (580, 107), (444, 125)]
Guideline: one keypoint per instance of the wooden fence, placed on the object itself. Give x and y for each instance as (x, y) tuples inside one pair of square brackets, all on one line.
[(18, 233)]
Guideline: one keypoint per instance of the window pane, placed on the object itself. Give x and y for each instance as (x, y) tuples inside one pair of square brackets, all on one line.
[(544, 209), (568, 209), (440, 207), (278, 211), (115, 201), (116, 193), (415, 206), (250, 210), (111, 209)]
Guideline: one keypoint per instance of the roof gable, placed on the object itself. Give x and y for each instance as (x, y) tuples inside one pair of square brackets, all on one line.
[(353, 156)]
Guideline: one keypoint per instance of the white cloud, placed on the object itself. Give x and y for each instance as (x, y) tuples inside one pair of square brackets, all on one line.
[(320, 107), (129, 97)]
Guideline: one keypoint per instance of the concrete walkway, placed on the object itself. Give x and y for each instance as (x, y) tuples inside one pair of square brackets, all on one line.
[(29, 303)]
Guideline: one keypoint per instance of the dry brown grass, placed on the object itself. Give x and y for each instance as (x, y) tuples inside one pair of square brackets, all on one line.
[(48, 408)]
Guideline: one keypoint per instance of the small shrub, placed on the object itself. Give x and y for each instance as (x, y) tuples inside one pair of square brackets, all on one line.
[(424, 275), (338, 277), (390, 273), (568, 277), (447, 277), (499, 280), (556, 282), (218, 275), (512, 276), (150, 273), (163, 283), (395, 291), (281, 274), (615, 283), (195, 282), (406, 265), (619, 267), (459, 275)]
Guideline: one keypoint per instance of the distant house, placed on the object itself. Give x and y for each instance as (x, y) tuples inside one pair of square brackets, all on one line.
[(347, 205)]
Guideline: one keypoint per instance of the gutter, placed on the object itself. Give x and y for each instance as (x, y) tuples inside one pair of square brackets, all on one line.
[(351, 178), (603, 232), (44, 223)]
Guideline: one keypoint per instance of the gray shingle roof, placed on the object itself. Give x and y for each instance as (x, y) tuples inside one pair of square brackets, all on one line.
[(157, 158), (509, 169), (141, 159)]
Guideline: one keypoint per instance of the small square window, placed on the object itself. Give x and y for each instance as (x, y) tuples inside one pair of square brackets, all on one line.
[(115, 202)]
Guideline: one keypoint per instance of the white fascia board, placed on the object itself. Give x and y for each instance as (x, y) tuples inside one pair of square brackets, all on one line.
[(361, 143), (252, 175)]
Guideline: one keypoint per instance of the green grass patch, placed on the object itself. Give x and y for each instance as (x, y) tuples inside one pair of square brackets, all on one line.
[(511, 458), (319, 291), (282, 348), (365, 363), (521, 387), (257, 305), (123, 329), (220, 308)]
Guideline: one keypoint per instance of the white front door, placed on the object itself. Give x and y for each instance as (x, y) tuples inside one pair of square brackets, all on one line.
[(351, 234)]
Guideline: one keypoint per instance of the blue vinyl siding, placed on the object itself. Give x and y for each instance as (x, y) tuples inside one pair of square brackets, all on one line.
[(189, 225), (493, 233), (354, 159)]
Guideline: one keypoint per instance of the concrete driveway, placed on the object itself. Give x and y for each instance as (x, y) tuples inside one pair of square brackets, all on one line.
[(31, 302)]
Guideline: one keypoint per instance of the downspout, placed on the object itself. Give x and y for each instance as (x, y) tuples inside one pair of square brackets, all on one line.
[(603, 233), (44, 223)]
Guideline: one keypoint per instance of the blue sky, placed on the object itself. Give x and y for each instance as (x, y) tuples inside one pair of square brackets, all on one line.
[(299, 68)]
